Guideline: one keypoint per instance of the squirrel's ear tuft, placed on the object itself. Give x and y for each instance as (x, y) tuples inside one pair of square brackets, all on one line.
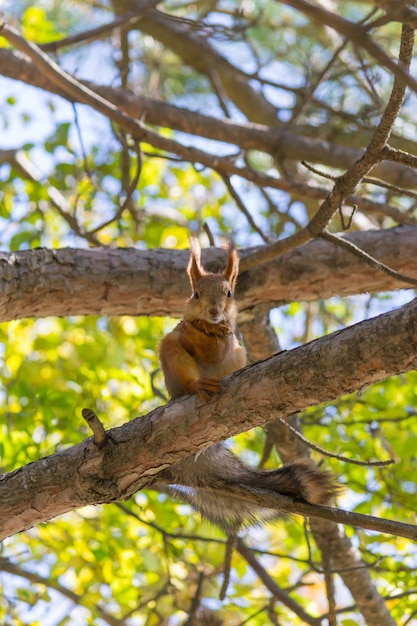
[(232, 267), (195, 269)]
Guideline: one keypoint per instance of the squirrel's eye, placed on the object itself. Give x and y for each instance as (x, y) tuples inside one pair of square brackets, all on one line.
[(229, 294), (196, 295)]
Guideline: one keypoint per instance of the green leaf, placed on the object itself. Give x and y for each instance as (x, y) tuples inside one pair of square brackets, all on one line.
[(37, 27)]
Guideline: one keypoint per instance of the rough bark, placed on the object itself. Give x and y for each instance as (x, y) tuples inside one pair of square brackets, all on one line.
[(331, 539), (346, 560), (105, 281), (333, 542), (136, 452)]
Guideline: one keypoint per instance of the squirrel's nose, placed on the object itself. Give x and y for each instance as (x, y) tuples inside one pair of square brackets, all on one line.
[(214, 311)]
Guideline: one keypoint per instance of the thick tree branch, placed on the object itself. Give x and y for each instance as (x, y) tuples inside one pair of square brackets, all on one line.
[(39, 283), (134, 454), (346, 560), (332, 539)]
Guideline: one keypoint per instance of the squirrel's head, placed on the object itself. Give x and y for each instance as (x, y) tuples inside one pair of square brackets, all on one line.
[(212, 298)]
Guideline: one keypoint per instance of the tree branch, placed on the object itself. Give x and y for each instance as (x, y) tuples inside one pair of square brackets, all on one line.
[(277, 141), (131, 456), (367, 258), (16, 570), (356, 33), (271, 585), (346, 184), (126, 19), (105, 281)]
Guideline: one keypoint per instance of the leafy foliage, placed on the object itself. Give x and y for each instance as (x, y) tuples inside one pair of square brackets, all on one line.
[(78, 180)]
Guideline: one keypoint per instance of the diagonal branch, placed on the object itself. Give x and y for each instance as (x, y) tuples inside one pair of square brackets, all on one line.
[(134, 454), (126, 19), (356, 33), (276, 141), (373, 154), (16, 570), (278, 593), (367, 258)]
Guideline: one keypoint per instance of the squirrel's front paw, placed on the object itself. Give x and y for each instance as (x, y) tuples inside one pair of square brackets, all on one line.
[(206, 386), (209, 328)]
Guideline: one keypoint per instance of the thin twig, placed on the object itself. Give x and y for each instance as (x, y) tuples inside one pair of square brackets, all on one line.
[(129, 192), (394, 188), (218, 89), (315, 170), (367, 258), (357, 34), (131, 19), (333, 455), (63, 208), (209, 234), (330, 587), (242, 207), (81, 141), (196, 602)]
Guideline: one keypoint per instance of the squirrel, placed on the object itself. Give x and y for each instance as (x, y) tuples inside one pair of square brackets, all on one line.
[(195, 358)]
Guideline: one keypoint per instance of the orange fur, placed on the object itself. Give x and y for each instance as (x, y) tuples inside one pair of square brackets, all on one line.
[(203, 348)]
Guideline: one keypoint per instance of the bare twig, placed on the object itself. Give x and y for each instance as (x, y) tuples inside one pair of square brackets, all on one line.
[(356, 33), (333, 455), (242, 207), (130, 19), (367, 258)]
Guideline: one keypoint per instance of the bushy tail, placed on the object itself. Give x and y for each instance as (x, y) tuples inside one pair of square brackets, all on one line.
[(207, 481), (302, 479)]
